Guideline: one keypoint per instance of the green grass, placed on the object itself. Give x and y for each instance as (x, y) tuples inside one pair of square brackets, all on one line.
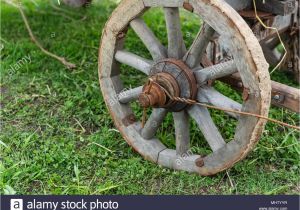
[(54, 119)]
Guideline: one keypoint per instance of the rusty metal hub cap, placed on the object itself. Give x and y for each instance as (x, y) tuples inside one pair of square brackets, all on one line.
[(169, 75)]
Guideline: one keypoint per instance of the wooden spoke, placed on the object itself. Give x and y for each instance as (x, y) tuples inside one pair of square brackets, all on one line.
[(193, 56), (156, 49), (207, 126), (134, 61), (153, 123), (176, 47), (217, 99), (181, 121), (130, 95), (214, 72)]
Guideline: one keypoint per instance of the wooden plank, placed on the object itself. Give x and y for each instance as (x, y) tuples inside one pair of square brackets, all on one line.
[(285, 96), (282, 95), (277, 7)]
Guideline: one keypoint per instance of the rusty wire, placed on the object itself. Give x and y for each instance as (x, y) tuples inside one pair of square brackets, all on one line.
[(194, 102), (277, 32)]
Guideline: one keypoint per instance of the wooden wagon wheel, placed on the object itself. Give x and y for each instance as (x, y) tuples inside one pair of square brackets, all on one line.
[(178, 70)]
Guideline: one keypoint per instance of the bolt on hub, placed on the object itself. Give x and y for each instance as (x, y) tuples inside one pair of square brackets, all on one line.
[(171, 76)]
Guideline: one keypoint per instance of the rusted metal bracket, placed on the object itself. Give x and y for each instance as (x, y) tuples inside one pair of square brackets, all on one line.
[(282, 95), (122, 33), (285, 96), (128, 120), (246, 94), (188, 7)]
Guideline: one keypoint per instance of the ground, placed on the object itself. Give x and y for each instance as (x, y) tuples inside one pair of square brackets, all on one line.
[(57, 136)]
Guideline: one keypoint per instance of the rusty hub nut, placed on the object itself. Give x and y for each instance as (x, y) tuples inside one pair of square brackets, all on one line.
[(145, 100), (154, 92), (177, 79), (152, 96), (199, 162)]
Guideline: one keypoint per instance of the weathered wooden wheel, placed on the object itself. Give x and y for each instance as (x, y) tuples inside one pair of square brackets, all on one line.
[(179, 71)]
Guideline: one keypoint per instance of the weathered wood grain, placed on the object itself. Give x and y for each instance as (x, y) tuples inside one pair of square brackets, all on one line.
[(153, 123), (130, 95), (176, 46), (217, 99), (156, 49), (169, 158), (207, 126), (214, 72), (134, 61), (193, 56), (182, 132)]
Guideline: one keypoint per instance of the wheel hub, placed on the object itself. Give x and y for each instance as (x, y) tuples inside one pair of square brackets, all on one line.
[(169, 75)]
